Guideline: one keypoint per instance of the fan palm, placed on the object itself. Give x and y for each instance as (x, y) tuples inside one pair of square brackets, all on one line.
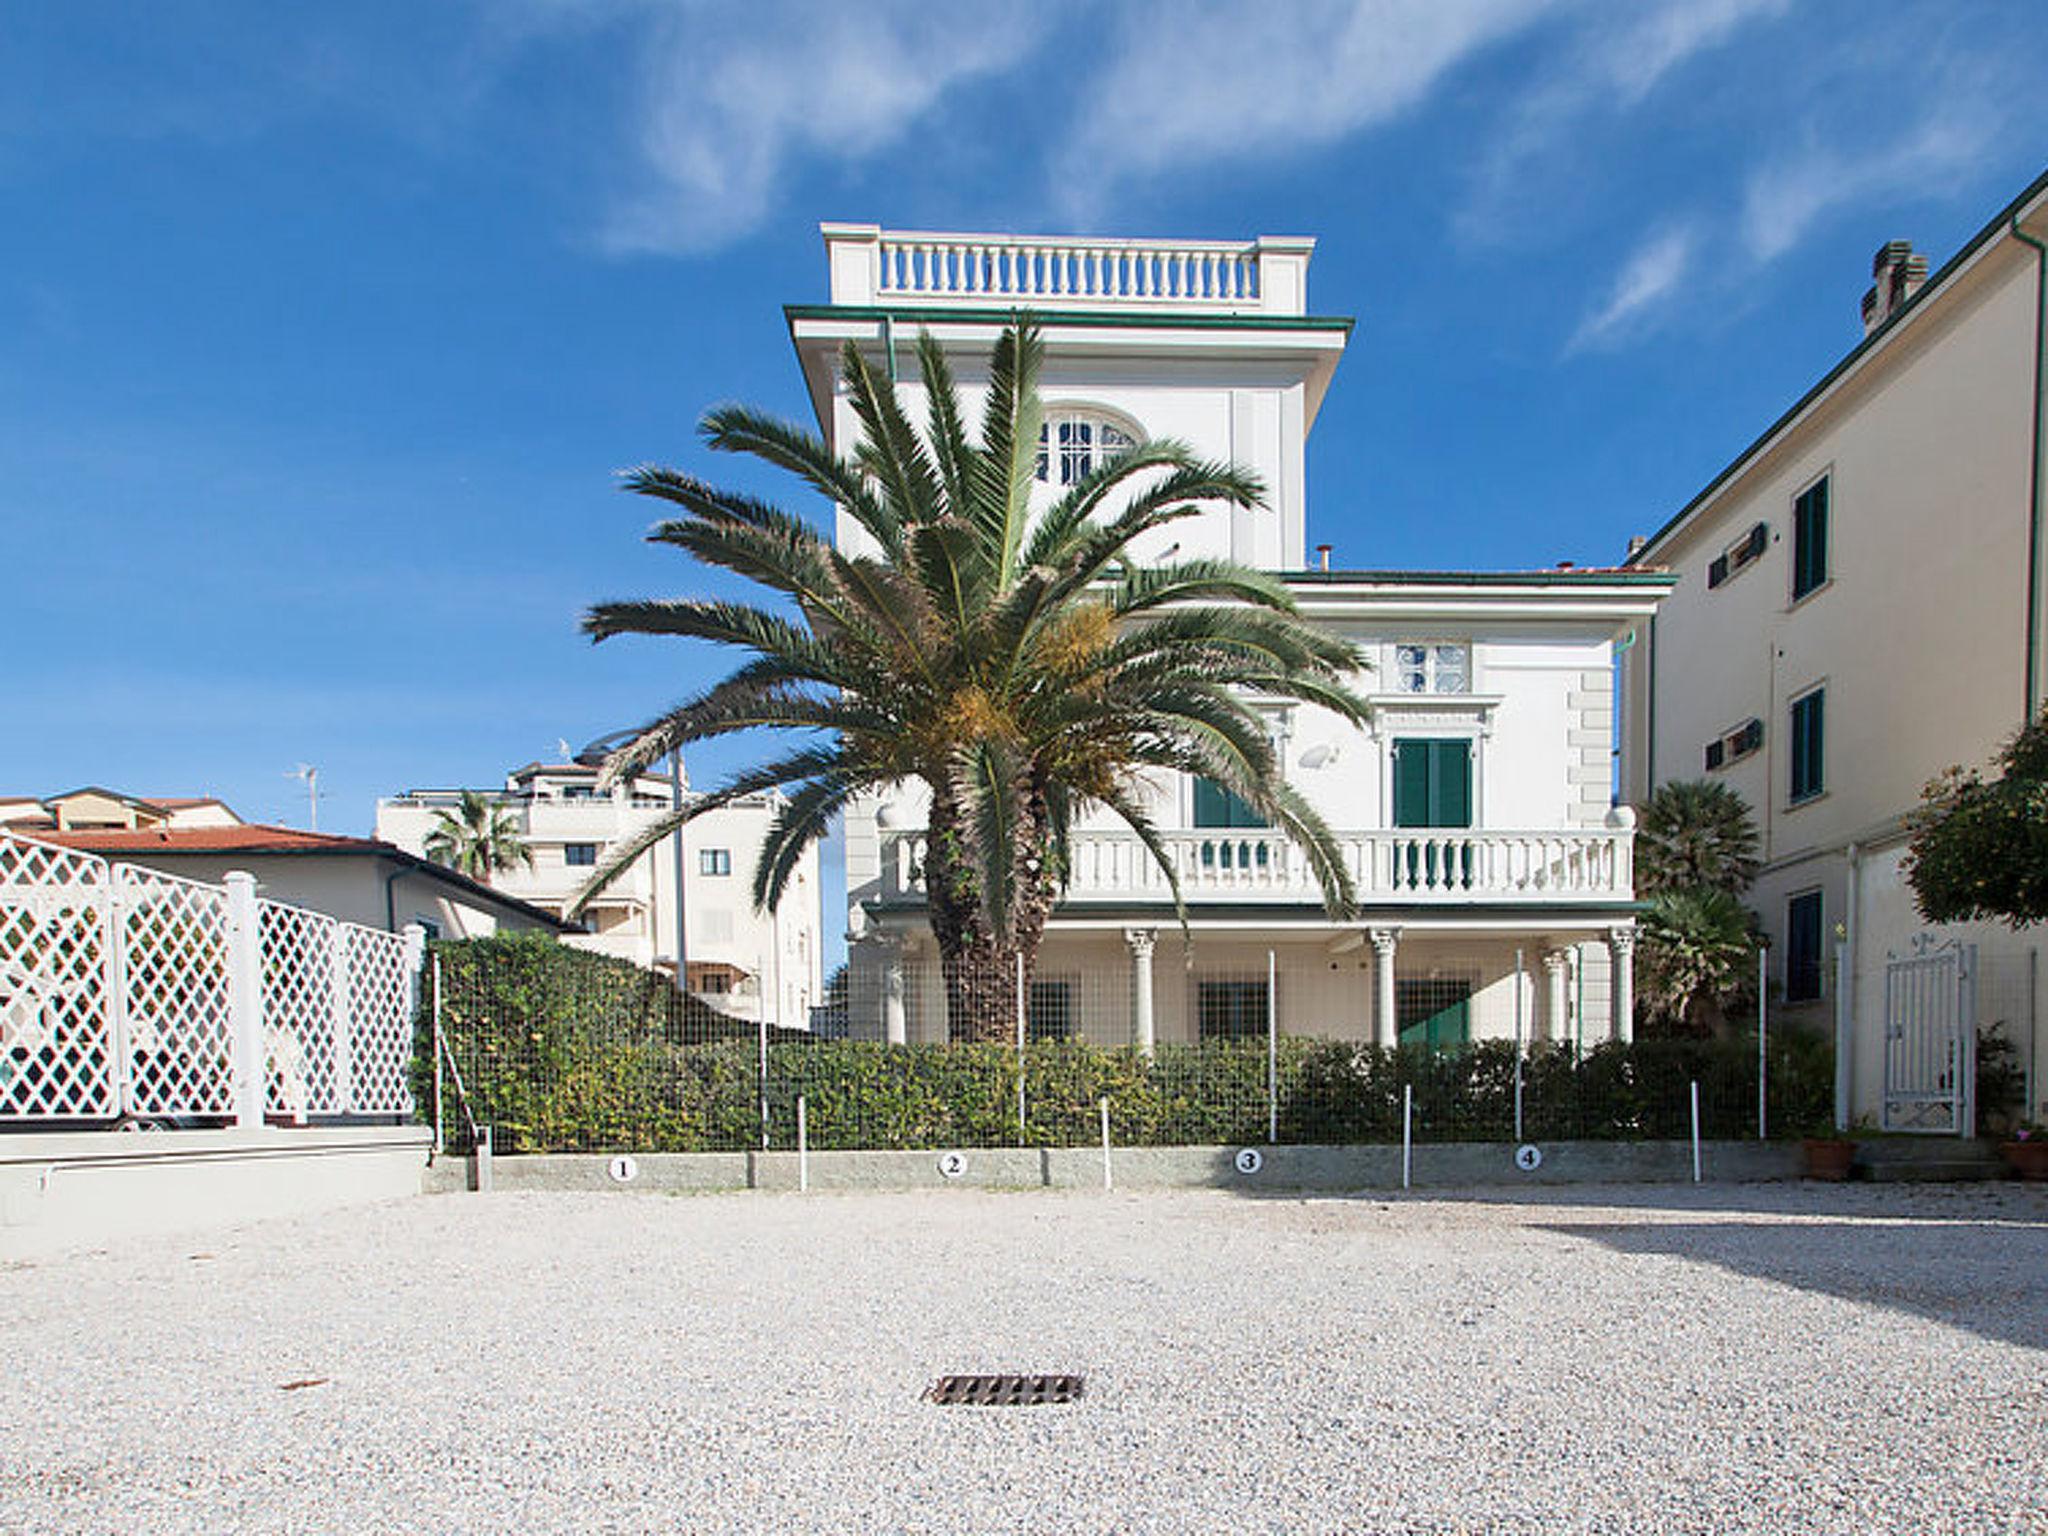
[(1695, 835), (1699, 951), (478, 837), (1024, 669)]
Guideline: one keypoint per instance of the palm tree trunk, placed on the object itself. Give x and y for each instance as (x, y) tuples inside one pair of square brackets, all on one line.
[(981, 966)]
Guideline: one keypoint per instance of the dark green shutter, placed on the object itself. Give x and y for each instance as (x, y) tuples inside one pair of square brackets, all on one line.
[(1216, 806), (1432, 783), (1810, 538), (1809, 745)]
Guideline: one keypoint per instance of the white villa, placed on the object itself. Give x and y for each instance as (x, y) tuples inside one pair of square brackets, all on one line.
[(1476, 812), (747, 963)]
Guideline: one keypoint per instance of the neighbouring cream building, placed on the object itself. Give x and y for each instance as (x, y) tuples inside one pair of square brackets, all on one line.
[(1859, 605), (748, 963), (1475, 812)]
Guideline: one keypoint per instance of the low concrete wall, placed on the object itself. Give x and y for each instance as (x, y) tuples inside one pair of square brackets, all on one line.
[(76, 1189), (1436, 1166)]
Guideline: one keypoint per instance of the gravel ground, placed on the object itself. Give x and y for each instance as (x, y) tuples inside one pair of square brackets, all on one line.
[(1784, 1359)]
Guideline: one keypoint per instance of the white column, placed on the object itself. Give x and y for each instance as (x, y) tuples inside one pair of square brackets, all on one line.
[(1556, 1005), (1621, 950), (895, 1027), (245, 1000), (1141, 941), (1384, 1032)]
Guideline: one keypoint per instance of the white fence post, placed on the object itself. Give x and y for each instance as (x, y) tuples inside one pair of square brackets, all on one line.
[(245, 1000), (340, 1017)]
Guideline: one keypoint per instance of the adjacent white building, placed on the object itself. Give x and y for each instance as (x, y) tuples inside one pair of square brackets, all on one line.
[(1475, 812), (1860, 604), (745, 962)]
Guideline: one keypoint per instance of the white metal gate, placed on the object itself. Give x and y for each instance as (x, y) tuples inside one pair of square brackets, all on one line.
[(1930, 1039)]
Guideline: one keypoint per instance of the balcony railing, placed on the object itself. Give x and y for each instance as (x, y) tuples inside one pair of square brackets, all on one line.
[(1423, 866), (871, 265)]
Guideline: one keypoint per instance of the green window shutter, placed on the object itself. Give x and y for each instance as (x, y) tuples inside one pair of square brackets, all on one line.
[(1432, 783), (1809, 745), (1810, 538), (1216, 806)]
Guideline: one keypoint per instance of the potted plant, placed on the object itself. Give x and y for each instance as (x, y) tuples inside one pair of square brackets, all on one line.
[(1830, 1154), (2027, 1151)]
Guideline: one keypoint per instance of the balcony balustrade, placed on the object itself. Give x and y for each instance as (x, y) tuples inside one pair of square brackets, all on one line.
[(1424, 866), (871, 265)]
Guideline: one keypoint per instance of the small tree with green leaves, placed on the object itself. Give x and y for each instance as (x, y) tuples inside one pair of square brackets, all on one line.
[(1698, 954), (1980, 848)]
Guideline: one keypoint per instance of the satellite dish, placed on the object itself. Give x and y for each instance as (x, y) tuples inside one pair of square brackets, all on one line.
[(1321, 755)]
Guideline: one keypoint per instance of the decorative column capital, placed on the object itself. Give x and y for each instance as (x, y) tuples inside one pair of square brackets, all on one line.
[(1621, 938), (1383, 940), (1554, 961), (1141, 941)]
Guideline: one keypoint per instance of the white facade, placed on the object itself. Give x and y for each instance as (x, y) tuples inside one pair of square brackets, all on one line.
[(740, 960), (1917, 623), (1508, 676)]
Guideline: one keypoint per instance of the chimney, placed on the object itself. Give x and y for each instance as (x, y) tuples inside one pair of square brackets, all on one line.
[(1897, 274), (1636, 545), (1323, 554)]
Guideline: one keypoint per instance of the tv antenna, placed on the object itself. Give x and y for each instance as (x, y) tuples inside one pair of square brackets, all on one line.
[(311, 776)]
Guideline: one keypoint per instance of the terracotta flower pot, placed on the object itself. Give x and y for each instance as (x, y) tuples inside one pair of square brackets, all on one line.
[(2028, 1159), (1828, 1158)]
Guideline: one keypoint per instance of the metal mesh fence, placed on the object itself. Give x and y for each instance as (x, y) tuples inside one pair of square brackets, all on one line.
[(563, 1051)]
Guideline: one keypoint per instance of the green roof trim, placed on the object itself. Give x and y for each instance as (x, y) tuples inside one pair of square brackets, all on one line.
[(1571, 578), (2000, 221), (917, 314)]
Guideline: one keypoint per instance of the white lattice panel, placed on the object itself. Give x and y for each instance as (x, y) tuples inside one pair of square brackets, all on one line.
[(301, 1074), (173, 966), (380, 997), (56, 1049)]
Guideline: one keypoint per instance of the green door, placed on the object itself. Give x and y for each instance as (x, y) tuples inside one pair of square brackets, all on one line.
[(1433, 1013)]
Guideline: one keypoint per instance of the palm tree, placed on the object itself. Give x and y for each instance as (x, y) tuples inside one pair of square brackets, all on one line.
[(1699, 951), (1023, 669), (1695, 835), (478, 837)]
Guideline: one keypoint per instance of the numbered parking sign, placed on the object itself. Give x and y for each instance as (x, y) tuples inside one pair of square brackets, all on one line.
[(1528, 1158), (623, 1170), (1250, 1160), (953, 1164)]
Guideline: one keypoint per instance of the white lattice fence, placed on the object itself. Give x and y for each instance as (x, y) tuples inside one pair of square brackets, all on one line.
[(56, 1050), (129, 992)]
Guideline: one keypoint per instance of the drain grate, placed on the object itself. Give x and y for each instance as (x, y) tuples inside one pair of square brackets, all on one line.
[(1004, 1391)]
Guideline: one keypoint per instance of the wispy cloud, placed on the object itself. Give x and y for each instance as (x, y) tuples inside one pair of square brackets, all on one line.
[(1614, 61), (1785, 198), (733, 100), (1238, 83), (1651, 275)]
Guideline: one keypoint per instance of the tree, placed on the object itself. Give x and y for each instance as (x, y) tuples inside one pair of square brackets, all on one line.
[(1024, 668), (1980, 849), (1695, 835), (1699, 951), (479, 837)]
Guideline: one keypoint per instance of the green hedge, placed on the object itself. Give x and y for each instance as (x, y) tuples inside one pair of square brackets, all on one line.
[(565, 1051)]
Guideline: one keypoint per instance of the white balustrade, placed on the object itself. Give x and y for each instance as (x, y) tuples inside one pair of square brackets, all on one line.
[(1432, 866), (926, 268)]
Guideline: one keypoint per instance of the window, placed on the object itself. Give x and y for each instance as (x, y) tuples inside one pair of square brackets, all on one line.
[(1431, 668), (1073, 444), (1809, 745), (1803, 914), (1049, 1014), (579, 855), (714, 861), (1432, 782), (1216, 806), (1230, 1010), (1736, 745), (1433, 1011), (1810, 538), (1740, 555)]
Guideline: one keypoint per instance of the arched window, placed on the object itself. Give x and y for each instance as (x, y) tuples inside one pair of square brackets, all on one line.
[(1072, 444)]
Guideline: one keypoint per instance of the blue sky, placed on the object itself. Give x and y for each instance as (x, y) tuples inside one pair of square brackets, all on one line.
[(324, 330)]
